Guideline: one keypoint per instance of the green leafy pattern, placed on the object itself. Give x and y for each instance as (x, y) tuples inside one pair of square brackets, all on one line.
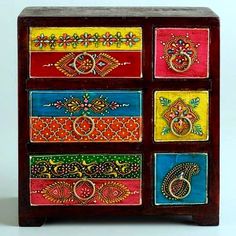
[(165, 102), (166, 130), (194, 102), (197, 129)]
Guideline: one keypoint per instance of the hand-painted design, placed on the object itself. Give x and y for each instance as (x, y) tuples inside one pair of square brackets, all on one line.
[(85, 179), (73, 65), (83, 125), (86, 166), (97, 105), (58, 192), (181, 117), (87, 192), (112, 192), (112, 129), (86, 64), (84, 190), (85, 40), (180, 53), (177, 182)]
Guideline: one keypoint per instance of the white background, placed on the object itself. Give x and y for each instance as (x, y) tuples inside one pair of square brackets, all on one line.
[(9, 9)]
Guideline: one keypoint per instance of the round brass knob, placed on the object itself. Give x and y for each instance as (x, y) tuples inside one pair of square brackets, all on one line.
[(186, 65)]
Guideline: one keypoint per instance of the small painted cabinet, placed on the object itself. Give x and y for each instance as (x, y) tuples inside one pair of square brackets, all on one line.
[(118, 113)]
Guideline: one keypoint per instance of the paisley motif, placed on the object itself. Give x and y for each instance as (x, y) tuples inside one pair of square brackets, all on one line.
[(58, 192), (87, 191), (177, 182), (86, 179), (112, 192)]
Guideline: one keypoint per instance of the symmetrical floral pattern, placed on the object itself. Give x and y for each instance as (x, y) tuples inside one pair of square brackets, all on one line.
[(180, 117), (85, 52), (85, 192), (85, 39), (180, 53), (86, 179), (115, 129), (86, 116), (74, 65), (98, 105)]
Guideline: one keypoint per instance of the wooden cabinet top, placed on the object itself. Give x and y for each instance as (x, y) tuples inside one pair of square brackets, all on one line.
[(117, 12)]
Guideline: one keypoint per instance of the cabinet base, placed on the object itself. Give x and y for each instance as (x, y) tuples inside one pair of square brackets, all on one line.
[(206, 220), (31, 221)]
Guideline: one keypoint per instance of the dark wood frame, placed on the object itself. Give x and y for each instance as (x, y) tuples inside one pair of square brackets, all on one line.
[(148, 19)]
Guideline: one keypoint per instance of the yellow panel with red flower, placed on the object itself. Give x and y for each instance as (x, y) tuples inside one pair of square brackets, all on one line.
[(181, 116), (85, 52)]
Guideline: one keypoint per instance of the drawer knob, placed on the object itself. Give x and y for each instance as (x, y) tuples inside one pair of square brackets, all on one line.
[(84, 189), (180, 62), (178, 182), (181, 126), (84, 63), (83, 125)]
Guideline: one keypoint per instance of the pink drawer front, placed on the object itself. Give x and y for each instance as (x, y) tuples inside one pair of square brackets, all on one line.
[(181, 53)]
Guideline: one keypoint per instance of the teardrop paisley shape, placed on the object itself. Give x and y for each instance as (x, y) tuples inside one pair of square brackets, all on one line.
[(179, 187), (113, 192), (58, 192)]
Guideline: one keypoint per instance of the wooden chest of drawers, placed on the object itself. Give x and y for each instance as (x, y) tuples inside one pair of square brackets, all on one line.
[(118, 113)]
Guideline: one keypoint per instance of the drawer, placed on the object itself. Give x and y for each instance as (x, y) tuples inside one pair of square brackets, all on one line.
[(181, 116), (85, 52), (181, 178), (181, 53), (85, 179), (86, 116)]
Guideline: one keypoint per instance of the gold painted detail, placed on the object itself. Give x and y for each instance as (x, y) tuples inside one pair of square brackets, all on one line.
[(85, 105), (80, 38), (180, 53), (177, 182), (73, 65), (180, 117), (60, 169), (58, 192), (85, 191), (112, 192)]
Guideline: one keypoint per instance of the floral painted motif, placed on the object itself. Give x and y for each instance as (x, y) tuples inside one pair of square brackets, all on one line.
[(85, 52), (86, 192), (42, 41), (86, 179), (180, 53), (73, 65), (86, 116), (104, 129), (85, 40), (180, 117), (85, 106), (86, 166)]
